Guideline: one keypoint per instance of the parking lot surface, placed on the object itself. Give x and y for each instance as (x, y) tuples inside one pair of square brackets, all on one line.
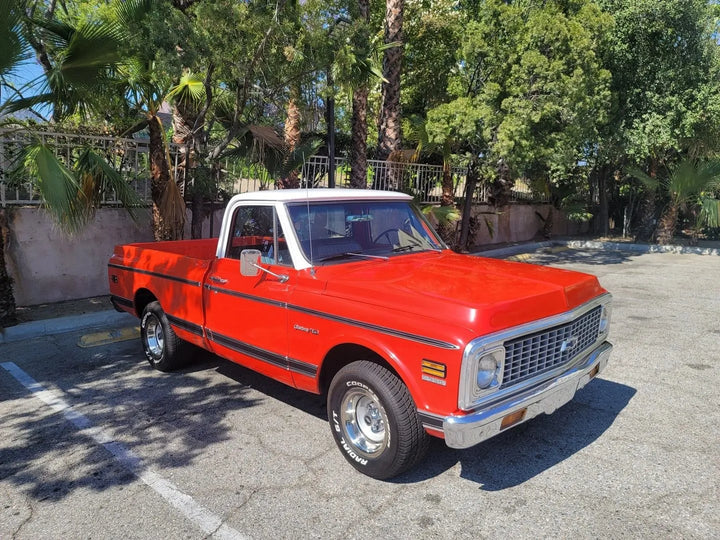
[(95, 444)]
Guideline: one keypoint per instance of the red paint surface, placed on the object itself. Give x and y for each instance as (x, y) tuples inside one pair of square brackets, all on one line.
[(439, 295)]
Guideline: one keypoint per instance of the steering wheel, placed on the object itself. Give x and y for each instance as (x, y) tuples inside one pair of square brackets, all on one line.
[(386, 233)]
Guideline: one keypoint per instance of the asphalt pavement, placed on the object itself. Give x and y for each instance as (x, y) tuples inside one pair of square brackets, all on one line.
[(95, 444)]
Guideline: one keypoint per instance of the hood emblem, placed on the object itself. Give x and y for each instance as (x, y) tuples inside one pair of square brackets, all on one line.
[(569, 344)]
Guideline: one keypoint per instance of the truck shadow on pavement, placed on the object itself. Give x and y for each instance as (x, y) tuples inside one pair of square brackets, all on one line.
[(521, 453), (504, 461)]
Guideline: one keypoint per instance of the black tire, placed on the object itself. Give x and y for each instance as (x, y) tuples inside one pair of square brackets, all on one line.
[(374, 420), (163, 349)]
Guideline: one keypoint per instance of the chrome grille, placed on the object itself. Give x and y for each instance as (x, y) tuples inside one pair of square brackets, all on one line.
[(531, 355)]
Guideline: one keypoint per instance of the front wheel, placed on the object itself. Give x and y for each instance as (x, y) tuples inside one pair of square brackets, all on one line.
[(374, 420), (163, 349)]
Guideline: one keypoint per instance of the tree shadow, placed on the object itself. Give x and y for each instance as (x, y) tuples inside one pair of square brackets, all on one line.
[(168, 419), (521, 453), (583, 256)]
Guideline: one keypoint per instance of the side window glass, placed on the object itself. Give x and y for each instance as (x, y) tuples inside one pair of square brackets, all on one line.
[(255, 227)]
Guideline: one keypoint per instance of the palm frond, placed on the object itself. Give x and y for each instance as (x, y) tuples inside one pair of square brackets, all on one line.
[(93, 50), (648, 181), (58, 187), (689, 178), (709, 212), (190, 89), (98, 177), (54, 32), (13, 48), (129, 13), (172, 207)]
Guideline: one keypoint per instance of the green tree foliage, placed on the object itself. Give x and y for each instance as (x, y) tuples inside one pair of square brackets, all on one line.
[(529, 90)]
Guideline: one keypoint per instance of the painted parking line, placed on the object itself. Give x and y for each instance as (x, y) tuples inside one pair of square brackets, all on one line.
[(109, 336), (210, 523)]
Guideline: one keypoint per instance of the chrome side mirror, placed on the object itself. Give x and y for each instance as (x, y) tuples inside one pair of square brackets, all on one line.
[(249, 262)]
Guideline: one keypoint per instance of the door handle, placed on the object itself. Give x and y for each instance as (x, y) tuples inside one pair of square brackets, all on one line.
[(218, 279)]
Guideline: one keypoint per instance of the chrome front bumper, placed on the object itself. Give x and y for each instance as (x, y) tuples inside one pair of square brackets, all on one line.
[(478, 426)]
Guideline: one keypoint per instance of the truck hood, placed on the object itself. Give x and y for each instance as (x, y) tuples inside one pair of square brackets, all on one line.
[(483, 295)]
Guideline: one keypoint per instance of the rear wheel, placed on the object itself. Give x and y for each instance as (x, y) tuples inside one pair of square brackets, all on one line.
[(163, 349), (374, 420)]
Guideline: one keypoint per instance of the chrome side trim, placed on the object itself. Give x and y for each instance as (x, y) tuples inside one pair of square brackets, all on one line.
[(156, 274), (337, 318), (468, 430), (185, 325), (269, 357), (376, 328)]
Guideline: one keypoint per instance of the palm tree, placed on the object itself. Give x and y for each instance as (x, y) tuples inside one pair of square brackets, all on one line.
[(358, 141), (389, 136), (97, 60), (690, 185), (292, 135), (356, 64), (13, 50)]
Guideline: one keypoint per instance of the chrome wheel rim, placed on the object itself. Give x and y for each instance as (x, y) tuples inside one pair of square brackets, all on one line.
[(154, 336), (364, 422)]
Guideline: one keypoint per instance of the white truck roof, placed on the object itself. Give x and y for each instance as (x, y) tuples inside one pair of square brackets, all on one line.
[(318, 194)]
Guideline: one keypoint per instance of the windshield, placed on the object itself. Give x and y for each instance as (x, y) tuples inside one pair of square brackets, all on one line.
[(333, 231)]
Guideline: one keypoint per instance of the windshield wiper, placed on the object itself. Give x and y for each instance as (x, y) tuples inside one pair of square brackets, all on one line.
[(410, 247), (400, 249), (347, 254)]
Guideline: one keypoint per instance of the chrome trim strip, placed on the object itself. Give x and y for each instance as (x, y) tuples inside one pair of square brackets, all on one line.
[(374, 327), (471, 429), (499, 338), (156, 274), (185, 325), (268, 301), (360, 324), (269, 357)]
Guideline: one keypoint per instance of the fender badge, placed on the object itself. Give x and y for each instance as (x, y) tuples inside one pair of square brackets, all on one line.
[(306, 330)]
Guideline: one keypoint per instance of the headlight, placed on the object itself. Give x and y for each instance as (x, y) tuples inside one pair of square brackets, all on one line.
[(605, 319), (489, 371), (482, 372)]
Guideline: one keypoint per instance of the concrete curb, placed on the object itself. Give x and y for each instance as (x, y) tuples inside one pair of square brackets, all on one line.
[(62, 325), (640, 248), (592, 244)]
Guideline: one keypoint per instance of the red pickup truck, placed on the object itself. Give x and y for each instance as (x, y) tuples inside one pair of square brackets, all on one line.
[(350, 293)]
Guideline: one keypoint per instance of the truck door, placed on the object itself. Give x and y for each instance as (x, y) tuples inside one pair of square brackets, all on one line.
[(246, 317)]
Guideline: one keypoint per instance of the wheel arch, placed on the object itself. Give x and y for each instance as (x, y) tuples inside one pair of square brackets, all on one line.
[(142, 298), (346, 353)]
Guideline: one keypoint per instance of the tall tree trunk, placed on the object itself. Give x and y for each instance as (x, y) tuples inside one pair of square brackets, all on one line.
[(185, 116), (471, 181), (647, 209), (292, 136), (358, 140), (389, 136), (448, 189), (667, 224), (603, 210), (168, 206), (7, 299)]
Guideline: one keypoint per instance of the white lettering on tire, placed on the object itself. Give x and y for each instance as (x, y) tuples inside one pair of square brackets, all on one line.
[(350, 452)]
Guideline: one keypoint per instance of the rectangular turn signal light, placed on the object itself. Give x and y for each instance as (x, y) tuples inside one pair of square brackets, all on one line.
[(513, 418), (434, 369)]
